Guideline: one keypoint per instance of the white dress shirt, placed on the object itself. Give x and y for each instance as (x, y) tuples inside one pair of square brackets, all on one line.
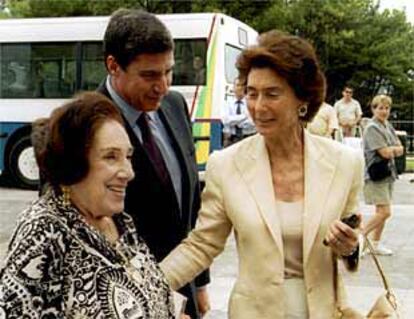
[(231, 119)]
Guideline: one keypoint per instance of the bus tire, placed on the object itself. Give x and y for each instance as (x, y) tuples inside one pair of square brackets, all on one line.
[(22, 165)]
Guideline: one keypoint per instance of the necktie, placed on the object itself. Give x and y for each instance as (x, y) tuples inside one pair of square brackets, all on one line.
[(238, 109), (153, 150), (239, 130)]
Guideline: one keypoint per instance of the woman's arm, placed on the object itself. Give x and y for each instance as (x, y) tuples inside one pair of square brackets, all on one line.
[(398, 150), (390, 152), (342, 238), (207, 239), (378, 142)]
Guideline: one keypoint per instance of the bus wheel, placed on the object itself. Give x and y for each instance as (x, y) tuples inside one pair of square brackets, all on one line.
[(22, 164)]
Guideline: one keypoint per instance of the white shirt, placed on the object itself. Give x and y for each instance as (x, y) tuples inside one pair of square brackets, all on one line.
[(231, 119), (348, 112)]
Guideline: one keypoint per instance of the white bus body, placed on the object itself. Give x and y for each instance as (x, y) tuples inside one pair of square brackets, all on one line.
[(44, 61)]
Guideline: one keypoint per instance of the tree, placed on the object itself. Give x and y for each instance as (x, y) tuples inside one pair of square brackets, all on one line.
[(60, 8), (356, 43)]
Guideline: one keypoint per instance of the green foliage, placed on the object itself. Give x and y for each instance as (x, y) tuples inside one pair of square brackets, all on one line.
[(61, 8), (356, 43)]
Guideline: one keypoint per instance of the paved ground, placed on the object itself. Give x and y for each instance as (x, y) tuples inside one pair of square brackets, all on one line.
[(12, 202), (363, 286)]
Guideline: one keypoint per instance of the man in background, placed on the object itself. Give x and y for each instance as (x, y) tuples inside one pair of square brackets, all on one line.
[(164, 196), (349, 112), (237, 123)]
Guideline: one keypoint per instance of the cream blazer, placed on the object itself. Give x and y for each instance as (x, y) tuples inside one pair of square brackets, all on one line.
[(239, 195)]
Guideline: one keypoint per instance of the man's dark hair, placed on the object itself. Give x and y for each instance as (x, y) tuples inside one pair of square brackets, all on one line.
[(133, 32)]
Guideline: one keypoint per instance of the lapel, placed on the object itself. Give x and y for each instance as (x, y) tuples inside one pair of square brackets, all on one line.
[(254, 166), (174, 122), (168, 114), (320, 168)]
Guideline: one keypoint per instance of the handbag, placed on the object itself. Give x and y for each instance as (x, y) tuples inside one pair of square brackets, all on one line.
[(377, 171), (385, 307)]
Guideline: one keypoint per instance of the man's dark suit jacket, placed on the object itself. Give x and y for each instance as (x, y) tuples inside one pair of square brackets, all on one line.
[(154, 208)]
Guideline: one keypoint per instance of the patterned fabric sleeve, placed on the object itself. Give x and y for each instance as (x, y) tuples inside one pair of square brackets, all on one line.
[(31, 281)]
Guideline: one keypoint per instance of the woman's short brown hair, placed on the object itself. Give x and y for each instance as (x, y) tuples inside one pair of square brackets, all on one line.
[(72, 129), (294, 59)]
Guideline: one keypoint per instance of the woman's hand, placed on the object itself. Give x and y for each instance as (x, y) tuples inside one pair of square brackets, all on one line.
[(203, 300), (398, 150), (342, 238)]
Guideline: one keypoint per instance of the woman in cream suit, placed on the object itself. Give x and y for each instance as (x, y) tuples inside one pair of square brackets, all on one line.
[(282, 191)]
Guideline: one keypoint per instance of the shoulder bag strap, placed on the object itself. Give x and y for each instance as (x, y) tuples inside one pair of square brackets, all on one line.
[(389, 294)]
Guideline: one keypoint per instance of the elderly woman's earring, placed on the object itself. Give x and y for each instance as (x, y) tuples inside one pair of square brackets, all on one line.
[(65, 195), (303, 110)]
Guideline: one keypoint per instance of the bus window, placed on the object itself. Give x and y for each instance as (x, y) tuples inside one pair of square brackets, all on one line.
[(243, 40), (93, 68), (38, 70), (14, 70), (47, 60), (190, 62), (230, 57)]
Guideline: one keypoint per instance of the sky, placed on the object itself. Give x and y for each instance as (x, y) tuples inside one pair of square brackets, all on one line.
[(400, 4)]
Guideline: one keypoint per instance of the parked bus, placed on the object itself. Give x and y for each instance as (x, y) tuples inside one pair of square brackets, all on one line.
[(44, 61)]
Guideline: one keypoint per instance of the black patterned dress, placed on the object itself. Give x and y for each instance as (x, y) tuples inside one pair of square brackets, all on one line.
[(59, 267)]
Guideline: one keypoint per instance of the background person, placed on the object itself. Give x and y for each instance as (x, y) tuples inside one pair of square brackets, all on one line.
[(39, 80), (74, 252), (237, 123), (349, 112), (380, 142), (38, 138), (164, 197), (282, 190), (199, 71), (325, 122)]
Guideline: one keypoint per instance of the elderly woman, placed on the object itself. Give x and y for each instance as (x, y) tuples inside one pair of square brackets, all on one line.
[(283, 191), (74, 253), (380, 144)]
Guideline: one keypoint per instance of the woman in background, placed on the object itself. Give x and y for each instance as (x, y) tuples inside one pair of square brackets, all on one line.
[(380, 142)]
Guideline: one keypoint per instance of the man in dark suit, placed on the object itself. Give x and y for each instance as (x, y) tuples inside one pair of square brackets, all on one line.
[(164, 196)]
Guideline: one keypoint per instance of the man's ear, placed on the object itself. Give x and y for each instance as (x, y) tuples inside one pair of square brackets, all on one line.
[(113, 67)]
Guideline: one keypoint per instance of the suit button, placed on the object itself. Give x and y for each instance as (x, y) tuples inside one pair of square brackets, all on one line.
[(309, 290)]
